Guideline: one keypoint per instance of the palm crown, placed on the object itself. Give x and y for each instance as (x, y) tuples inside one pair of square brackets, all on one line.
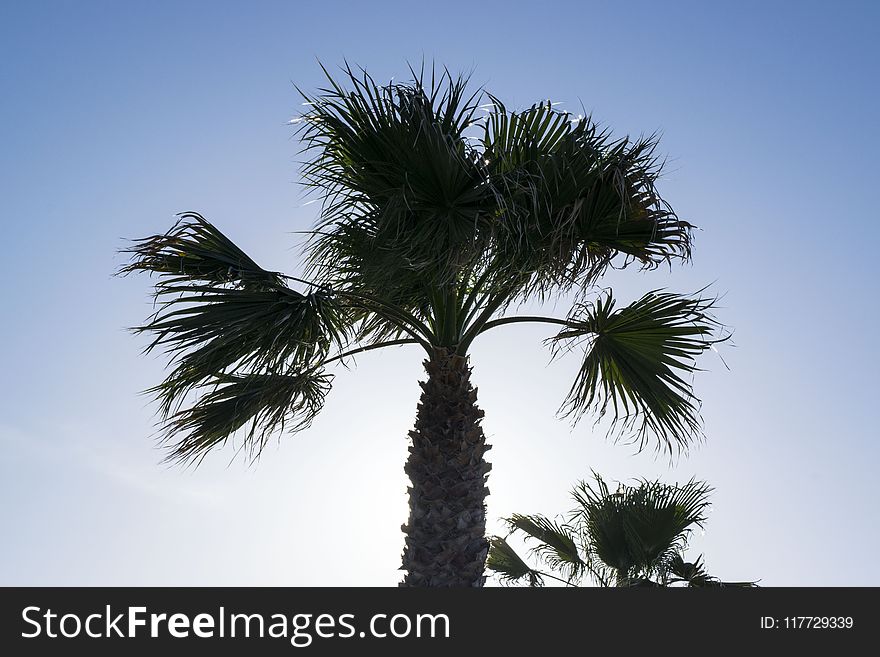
[(442, 210), (622, 538)]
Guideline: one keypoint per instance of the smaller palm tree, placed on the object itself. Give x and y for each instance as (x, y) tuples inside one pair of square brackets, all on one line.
[(634, 536)]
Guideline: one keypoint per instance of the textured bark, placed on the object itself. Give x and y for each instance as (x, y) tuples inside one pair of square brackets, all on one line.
[(446, 542)]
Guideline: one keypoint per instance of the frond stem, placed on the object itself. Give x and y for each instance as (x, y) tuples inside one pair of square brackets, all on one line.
[(370, 347), (477, 330)]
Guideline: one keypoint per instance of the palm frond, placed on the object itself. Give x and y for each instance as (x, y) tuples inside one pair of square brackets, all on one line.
[(695, 574), (555, 544), (658, 518), (638, 529), (599, 516), (257, 404), (571, 199), (395, 174), (221, 329), (237, 330), (195, 250), (509, 566), (633, 536), (634, 363)]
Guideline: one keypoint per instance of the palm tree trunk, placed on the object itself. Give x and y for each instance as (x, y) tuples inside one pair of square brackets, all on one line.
[(446, 534)]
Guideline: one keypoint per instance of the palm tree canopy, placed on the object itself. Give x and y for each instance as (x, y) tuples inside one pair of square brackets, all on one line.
[(630, 536), (425, 189), (638, 529), (441, 211)]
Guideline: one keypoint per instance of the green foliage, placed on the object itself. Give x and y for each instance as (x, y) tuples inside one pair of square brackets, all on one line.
[(504, 561), (572, 199), (412, 202), (257, 403), (637, 529), (555, 544), (633, 536), (634, 363), (441, 210), (237, 335)]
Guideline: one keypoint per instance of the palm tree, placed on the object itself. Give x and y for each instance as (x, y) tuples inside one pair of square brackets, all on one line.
[(632, 537), (440, 214)]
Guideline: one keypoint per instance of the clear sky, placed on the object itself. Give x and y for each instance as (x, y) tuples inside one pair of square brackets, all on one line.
[(114, 116)]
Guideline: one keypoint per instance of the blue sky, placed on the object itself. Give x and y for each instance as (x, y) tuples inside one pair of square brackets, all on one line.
[(116, 116)]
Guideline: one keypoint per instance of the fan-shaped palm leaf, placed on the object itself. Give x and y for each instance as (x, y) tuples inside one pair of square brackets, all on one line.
[(638, 528), (259, 404), (635, 361), (554, 543), (509, 566), (572, 198), (237, 330), (392, 167)]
